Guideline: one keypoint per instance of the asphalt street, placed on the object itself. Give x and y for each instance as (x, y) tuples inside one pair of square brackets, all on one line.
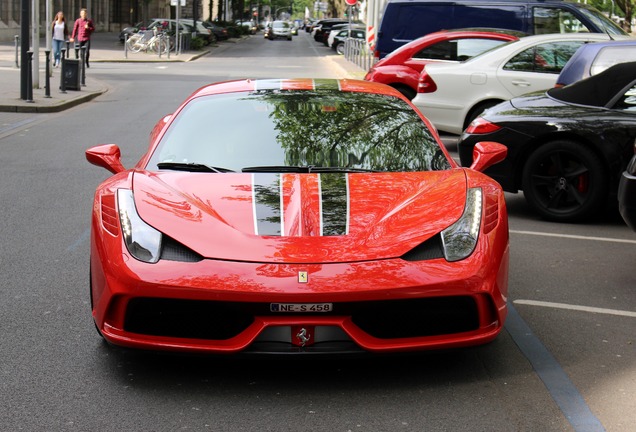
[(565, 362)]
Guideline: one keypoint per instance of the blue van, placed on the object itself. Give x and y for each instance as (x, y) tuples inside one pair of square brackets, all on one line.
[(406, 20)]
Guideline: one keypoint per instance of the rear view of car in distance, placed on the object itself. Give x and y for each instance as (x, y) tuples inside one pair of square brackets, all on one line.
[(594, 58), (401, 69), (406, 20)]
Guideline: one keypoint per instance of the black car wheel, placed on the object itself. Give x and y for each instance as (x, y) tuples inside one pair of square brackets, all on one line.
[(340, 48), (564, 181), (407, 91)]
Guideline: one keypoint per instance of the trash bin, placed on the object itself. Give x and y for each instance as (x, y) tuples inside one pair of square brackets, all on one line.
[(71, 74)]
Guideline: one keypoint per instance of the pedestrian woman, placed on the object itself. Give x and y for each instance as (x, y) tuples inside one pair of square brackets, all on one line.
[(82, 32), (60, 33)]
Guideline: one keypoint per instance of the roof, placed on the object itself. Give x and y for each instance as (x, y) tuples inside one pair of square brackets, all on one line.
[(599, 90), (248, 85)]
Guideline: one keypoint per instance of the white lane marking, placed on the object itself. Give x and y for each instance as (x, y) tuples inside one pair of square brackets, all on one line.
[(545, 234), (576, 308)]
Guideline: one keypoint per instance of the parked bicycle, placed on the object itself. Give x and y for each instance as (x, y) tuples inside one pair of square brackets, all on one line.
[(149, 40)]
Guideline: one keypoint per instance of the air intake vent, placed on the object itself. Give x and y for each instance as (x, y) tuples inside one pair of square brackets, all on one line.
[(430, 249), (172, 250)]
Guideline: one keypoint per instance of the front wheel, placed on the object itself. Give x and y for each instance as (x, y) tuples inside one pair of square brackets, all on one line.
[(340, 48), (134, 43), (565, 181)]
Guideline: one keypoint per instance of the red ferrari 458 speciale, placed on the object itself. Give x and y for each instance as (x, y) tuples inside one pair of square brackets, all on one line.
[(322, 216)]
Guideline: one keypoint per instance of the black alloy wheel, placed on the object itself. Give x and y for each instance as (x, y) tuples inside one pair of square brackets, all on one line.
[(565, 181)]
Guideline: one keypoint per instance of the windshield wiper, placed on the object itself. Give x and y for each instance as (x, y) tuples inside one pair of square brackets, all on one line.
[(192, 167), (278, 168), (342, 170), (304, 169)]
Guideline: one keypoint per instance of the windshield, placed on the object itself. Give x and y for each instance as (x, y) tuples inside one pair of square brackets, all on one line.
[(602, 21), (357, 131)]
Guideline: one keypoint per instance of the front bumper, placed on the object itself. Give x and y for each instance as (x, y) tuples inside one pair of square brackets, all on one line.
[(224, 307)]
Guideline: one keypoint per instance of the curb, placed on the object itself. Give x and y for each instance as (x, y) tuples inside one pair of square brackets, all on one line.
[(25, 107)]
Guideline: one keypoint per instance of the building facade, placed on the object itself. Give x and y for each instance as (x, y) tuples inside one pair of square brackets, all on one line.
[(107, 15)]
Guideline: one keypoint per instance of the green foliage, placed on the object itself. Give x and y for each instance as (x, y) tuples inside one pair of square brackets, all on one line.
[(197, 43)]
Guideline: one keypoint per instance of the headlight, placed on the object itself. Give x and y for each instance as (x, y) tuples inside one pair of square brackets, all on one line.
[(142, 241), (459, 239)]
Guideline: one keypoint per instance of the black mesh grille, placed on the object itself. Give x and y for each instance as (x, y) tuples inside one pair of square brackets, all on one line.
[(186, 318), (430, 249), (172, 250), (417, 317), (223, 320)]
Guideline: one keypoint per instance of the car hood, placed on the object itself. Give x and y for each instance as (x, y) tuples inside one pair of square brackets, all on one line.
[(300, 218)]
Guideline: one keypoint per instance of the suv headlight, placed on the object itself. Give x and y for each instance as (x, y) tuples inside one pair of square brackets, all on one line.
[(142, 241), (459, 240)]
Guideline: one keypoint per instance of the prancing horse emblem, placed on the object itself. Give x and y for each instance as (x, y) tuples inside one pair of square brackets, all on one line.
[(303, 277), (303, 337)]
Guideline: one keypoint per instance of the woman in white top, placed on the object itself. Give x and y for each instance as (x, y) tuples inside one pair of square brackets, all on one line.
[(60, 33)]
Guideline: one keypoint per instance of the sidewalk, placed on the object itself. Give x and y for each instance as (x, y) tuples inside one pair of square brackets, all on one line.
[(105, 47)]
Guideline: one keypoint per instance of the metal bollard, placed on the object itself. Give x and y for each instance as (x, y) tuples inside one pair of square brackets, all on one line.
[(47, 80), (62, 81), (68, 49), (126, 46), (29, 96), (83, 63), (77, 48), (17, 48)]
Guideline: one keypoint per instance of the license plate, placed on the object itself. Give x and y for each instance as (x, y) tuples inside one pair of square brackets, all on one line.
[(301, 307)]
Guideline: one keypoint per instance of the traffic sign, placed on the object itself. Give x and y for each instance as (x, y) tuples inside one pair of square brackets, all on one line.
[(352, 2)]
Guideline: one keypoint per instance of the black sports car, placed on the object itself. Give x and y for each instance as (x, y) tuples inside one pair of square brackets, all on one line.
[(567, 147)]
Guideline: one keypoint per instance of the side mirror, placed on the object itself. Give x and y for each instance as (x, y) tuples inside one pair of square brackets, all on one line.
[(486, 154), (106, 156)]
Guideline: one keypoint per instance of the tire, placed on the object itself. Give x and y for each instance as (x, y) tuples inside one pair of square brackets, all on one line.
[(564, 181), (408, 92), (134, 44), (340, 48), (478, 109)]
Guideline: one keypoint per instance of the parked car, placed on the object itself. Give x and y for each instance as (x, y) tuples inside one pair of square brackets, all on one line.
[(280, 30), (627, 194), (401, 69), (322, 26), (451, 95), (128, 31), (567, 147), (341, 38), (335, 30), (202, 30), (326, 30), (218, 31), (250, 26), (594, 58), (379, 242), (407, 20)]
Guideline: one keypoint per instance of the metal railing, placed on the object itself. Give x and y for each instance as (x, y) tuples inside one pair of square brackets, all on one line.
[(357, 51)]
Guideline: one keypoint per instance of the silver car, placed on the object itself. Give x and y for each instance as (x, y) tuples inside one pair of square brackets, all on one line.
[(280, 29)]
